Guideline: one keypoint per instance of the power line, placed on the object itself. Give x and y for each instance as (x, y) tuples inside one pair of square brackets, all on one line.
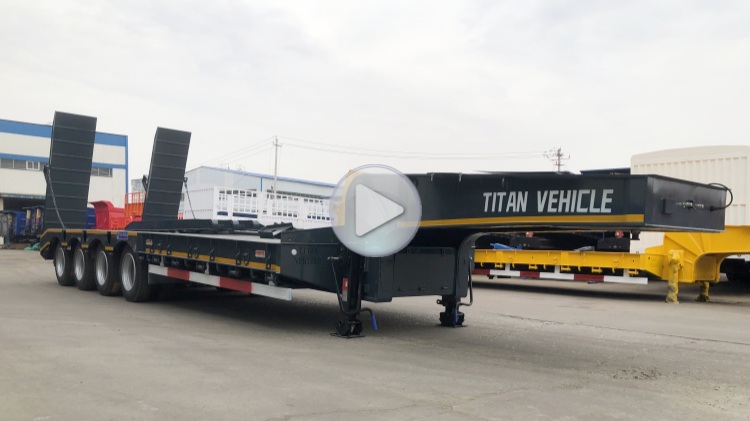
[(237, 155), (264, 145), (254, 147), (232, 159), (349, 150), (409, 153)]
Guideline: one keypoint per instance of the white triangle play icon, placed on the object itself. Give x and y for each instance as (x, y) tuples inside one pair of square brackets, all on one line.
[(372, 209)]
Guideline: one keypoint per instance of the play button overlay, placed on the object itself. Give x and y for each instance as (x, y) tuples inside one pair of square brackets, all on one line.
[(372, 210), (375, 210)]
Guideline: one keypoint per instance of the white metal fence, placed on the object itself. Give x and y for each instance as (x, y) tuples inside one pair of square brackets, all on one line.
[(214, 202)]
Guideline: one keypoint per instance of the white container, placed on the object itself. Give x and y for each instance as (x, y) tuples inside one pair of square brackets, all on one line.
[(727, 165)]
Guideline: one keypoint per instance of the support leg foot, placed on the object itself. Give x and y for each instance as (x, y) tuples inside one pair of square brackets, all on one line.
[(703, 297), (349, 329), (451, 317)]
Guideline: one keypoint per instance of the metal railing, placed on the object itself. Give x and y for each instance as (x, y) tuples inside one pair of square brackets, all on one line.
[(265, 207)]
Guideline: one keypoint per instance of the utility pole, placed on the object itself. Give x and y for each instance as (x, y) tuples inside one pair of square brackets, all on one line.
[(276, 146), (557, 157)]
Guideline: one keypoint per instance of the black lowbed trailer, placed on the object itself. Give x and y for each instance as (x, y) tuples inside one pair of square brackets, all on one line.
[(273, 260)]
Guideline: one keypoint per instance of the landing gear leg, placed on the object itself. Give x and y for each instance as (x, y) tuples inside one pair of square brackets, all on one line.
[(451, 317), (350, 302), (675, 264)]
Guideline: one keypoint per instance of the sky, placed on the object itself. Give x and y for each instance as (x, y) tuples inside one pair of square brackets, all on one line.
[(422, 86)]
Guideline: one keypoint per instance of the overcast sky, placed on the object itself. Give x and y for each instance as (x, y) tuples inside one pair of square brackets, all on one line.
[(492, 84)]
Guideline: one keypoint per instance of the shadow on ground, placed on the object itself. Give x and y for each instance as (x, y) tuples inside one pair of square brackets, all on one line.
[(656, 291), (311, 312)]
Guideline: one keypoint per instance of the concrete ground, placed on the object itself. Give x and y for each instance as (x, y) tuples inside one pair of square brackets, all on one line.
[(532, 350)]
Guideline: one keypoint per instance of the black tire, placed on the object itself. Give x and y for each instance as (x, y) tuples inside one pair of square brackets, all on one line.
[(63, 263), (134, 277), (105, 273), (736, 269), (738, 277), (83, 269)]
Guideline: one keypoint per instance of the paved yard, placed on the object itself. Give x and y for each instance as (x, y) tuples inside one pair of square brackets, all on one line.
[(532, 350)]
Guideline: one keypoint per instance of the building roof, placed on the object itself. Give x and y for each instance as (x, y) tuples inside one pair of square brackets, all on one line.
[(261, 175), (44, 130), (607, 171)]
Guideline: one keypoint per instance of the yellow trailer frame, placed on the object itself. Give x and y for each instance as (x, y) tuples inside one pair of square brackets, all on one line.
[(681, 258)]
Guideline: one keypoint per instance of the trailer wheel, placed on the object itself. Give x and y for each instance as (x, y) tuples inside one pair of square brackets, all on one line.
[(63, 266), (738, 274), (83, 269), (134, 277), (106, 273), (733, 276)]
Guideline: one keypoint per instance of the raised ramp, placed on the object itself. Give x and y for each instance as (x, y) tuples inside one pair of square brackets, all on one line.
[(69, 171), (166, 175)]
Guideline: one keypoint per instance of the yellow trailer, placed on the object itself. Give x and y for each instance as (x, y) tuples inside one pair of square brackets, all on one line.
[(681, 258)]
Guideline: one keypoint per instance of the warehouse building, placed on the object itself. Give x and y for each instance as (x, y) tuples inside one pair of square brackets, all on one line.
[(221, 193), (204, 176), (237, 179), (24, 151)]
